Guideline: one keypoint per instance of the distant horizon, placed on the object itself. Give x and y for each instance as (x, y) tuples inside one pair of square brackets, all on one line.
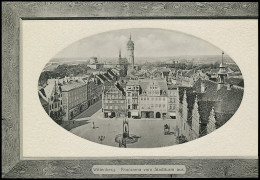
[(196, 58), (139, 56), (147, 42)]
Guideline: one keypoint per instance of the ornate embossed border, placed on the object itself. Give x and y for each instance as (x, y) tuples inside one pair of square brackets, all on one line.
[(14, 12)]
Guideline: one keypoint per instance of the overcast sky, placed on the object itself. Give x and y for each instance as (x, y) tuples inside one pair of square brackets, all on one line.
[(148, 43)]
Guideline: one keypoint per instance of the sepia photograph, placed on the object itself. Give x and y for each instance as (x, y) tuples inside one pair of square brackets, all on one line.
[(141, 88), (129, 89)]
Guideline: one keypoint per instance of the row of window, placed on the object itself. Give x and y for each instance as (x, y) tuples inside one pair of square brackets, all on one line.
[(134, 106), (154, 87), (114, 101), (172, 100), (133, 94), (156, 98), (114, 107), (152, 106), (52, 98), (133, 87), (172, 107), (155, 92), (119, 96), (80, 96), (55, 105), (134, 101), (172, 93)]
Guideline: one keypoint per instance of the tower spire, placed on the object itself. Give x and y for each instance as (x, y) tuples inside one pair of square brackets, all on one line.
[(222, 74), (130, 36), (222, 61), (120, 53)]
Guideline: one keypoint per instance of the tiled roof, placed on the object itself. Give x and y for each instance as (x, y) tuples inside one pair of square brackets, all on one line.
[(43, 101), (204, 110), (214, 71), (172, 86), (117, 86), (189, 73), (235, 81), (102, 77), (236, 74), (181, 92), (72, 85), (111, 72), (42, 91), (144, 83), (211, 90), (229, 70), (230, 99), (120, 88), (225, 102), (107, 76), (48, 90), (222, 118)]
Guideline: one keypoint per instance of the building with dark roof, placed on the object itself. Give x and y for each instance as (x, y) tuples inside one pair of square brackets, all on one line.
[(113, 100), (215, 106), (216, 101)]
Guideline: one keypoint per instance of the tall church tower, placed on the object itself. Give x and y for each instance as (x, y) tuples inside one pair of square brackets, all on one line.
[(130, 52), (222, 74)]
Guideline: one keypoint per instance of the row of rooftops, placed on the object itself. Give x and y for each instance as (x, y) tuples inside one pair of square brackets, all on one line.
[(225, 101), (144, 84), (69, 83)]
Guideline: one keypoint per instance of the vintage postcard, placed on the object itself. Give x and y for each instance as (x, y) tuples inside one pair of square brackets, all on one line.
[(150, 86), (138, 98)]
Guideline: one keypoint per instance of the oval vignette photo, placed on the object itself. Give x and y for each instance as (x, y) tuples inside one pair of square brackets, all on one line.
[(141, 88)]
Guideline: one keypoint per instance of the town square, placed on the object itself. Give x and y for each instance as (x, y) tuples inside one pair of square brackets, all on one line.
[(142, 102)]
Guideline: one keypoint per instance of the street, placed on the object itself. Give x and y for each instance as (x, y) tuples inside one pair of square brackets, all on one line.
[(90, 111)]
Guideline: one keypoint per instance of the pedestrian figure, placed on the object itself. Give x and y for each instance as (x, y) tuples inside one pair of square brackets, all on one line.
[(93, 125), (166, 129)]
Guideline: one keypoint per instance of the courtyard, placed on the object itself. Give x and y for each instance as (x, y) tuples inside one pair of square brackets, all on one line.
[(150, 131)]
